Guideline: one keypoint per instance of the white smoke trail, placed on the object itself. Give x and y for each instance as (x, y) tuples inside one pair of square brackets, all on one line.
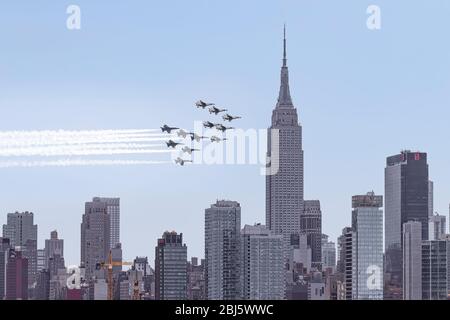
[(69, 163), (94, 140), (82, 143), (74, 151), (73, 132)]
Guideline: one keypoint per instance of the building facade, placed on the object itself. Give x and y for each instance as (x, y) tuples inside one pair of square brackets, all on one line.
[(328, 253), (437, 227), (311, 226), (171, 267), (412, 260), (406, 196), (16, 276), (284, 178), (435, 269), (22, 232), (367, 225), (113, 210), (222, 250), (95, 236), (263, 276), (53, 246)]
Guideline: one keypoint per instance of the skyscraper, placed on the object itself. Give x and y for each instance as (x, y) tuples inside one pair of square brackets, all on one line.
[(4, 254), (346, 263), (113, 210), (412, 260), (284, 182), (171, 267), (53, 246), (95, 236), (367, 225), (311, 226), (263, 276), (435, 270), (196, 279), (22, 232), (430, 198), (222, 250), (437, 227), (328, 253), (17, 276), (406, 194)]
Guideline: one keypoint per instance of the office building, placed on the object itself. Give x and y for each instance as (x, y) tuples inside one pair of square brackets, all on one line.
[(222, 250), (311, 226), (22, 232), (284, 178), (171, 267), (412, 260), (367, 246), (406, 197), (95, 236), (263, 276), (113, 210)]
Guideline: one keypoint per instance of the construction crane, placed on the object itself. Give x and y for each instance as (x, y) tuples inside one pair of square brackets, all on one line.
[(109, 268)]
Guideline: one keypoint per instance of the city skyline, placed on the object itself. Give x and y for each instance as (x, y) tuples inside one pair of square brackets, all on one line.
[(61, 208)]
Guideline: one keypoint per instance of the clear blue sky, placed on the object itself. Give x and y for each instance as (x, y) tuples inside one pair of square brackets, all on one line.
[(361, 95)]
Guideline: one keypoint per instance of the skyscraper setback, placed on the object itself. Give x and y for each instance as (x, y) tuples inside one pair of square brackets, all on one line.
[(284, 187), (113, 210), (406, 196), (95, 236)]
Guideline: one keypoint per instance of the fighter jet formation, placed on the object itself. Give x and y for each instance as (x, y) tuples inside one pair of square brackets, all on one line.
[(181, 162), (217, 139), (202, 104), (222, 128), (181, 133), (172, 144), (188, 150), (216, 110), (168, 129), (229, 118)]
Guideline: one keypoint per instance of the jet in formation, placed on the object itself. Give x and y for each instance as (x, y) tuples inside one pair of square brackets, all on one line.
[(217, 139), (208, 125), (188, 150), (216, 110), (166, 128), (182, 133), (181, 162), (196, 137), (203, 104), (172, 144), (229, 118), (222, 128)]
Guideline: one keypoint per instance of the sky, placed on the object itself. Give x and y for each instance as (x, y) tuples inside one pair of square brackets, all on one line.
[(361, 95)]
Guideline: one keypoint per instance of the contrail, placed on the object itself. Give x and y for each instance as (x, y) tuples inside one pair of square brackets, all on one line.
[(69, 163), (81, 143), (93, 140), (12, 138), (73, 151), (74, 132)]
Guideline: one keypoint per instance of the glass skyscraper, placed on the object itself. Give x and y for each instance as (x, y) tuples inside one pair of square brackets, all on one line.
[(406, 196), (367, 224)]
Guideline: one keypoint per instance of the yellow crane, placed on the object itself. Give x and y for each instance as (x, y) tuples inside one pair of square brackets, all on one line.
[(109, 268)]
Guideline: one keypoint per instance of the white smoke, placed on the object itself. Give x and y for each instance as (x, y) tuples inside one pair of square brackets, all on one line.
[(78, 162), (82, 143)]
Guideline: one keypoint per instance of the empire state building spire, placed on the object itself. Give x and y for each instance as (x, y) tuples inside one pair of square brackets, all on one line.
[(284, 98)]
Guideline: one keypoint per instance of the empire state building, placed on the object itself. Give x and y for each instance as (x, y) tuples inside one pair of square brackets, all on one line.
[(284, 182)]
